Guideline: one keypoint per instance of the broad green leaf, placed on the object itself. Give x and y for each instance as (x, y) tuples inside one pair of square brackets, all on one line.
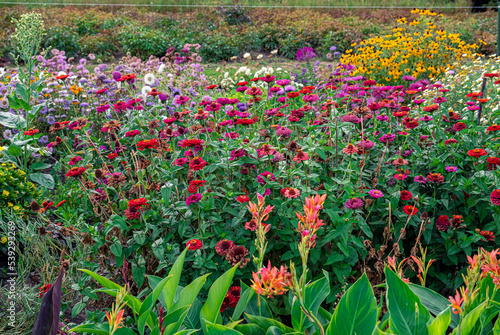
[(265, 323), (12, 121), (216, 294), (377, 331), (175, 273), (39, 166), (252, 306), (314, 295), (15, 150), (43, 179), (215, 329), (190, 292), (356, 312), (434, 302), (149, 303), (496, 329), (249, 329), (407, 314), (102, 280), (245, 298), (441, 323), (469, 321), (173, 321)]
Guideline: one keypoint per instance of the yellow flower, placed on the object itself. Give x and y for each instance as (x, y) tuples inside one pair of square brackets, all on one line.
[(3, 240), (10, 204), (5, 193), (16, 208)]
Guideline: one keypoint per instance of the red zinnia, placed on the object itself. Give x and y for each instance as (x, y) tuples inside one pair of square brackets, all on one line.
[(138, 202), (495, 197), (62, 76), (405, 195), (476, 153), (292, 95), (194, 244), (197, 163), (112, 155), (431, 108), (223, 246), (410, 210), (147, 144), (435, 177), (242, 199), (493, 160), (75, 172), (450, 141), (192, 188), (443, 223), (190, 142), (488, 235), (31, 132)]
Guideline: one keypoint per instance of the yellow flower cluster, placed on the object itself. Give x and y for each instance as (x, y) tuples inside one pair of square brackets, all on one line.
[(15, 191), (415, 48)]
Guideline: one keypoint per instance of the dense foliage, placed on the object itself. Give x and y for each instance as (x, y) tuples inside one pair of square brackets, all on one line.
[(255, 178)]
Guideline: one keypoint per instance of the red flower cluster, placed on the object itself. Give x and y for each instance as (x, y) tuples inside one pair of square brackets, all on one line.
[(31, 132), (495, 197), (134, 208), (190, 143), (476, 153), (197, 163), (44, 289)]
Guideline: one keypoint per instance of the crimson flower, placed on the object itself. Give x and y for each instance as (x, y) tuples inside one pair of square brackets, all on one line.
[(242, 199), (495, 197), (194, 244), (410, 210), (75, 172), (476, 153), (147, 144), (223, 246), (197, 163), (44, 289)]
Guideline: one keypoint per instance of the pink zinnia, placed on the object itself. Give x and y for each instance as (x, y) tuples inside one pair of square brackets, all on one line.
[(400, 176), (495, 197), (375, 194), (193, 198), (300, 156), (354, 203), (451, 169)]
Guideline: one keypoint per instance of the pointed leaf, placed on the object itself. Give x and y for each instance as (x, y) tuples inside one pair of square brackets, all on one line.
[(356, 312), (441, 323), (175, 273)]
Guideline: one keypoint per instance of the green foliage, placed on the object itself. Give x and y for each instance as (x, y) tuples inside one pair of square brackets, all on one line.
[(143, 42), (62, 38)]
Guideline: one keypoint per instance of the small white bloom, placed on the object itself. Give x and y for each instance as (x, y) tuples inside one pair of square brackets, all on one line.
[(146, 89), (274, 52), (248, 72), (149, 79), (162, 67), (246, 55), (259, 57)]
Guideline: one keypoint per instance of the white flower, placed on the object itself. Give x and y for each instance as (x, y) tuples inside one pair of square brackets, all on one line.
[(242, 69), (248, 72), (274, 52), (259, 57), (149, 79), (226, 74), (162, 67), (170, 75), (246, 55), (146, 89)]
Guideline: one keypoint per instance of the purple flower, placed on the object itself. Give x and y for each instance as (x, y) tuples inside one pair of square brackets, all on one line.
[(193, 198), (116, 75), (306, 54), (354, 203), (267, 192)]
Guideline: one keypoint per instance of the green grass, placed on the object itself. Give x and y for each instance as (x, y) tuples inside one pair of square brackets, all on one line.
[(264, 3)]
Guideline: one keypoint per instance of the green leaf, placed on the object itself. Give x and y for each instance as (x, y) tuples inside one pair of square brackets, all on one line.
[(79, 306), (249, 329), (15, 150), (132, 302), (434, 302), (215, 329), (470, 320), (216, 294), (45, 180), (149, 303), (165, 193), (356, 312), (407, 314), (175, 273), (245, 298), (21, 90), (266, 323), (173, 321), (190, 292), (314, 295), (496, 329), (39, 166), (440, 323), (102, 280)]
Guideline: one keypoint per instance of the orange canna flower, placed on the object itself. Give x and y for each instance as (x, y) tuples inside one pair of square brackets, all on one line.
[(270, 281)]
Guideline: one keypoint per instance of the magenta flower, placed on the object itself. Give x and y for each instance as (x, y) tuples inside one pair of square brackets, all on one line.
[(420, 179), (354, 203), (375, 194), (193, 198), (451, 169), (180, 161)]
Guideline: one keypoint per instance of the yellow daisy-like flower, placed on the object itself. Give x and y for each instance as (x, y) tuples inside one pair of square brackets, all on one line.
[(3, 240), (5, 193)]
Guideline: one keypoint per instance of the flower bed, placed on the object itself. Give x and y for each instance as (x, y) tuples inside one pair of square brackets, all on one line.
[(143, 163)]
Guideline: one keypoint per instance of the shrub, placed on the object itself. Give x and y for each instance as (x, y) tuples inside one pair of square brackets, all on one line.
[(142, 41), (17, 192), (101, 44), (62, 38), (218, 47)]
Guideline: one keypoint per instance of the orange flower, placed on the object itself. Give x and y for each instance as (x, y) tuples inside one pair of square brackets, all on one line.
[(270, 282), (456, 302)]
